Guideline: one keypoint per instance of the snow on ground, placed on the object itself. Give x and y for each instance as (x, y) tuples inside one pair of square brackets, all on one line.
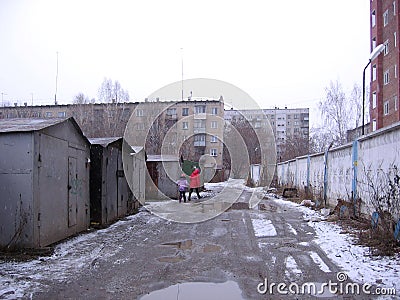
[(292, 229), (263, 228), (18, 279), (353, 259), (318, 260), (73, 256), (291, 267)]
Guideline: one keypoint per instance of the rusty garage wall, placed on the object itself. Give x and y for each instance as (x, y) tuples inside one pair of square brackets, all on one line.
[(50, 201)]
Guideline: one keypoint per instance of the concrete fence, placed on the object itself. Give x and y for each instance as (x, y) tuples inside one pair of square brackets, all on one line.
[(342, 172)]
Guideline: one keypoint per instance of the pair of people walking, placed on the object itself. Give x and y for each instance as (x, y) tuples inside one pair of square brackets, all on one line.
[(194, 185)]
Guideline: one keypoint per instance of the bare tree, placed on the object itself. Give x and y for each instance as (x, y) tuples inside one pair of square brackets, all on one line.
[(156, 134), (80, 99), (240, 139), (336, 113), (320, 140), (357, 104), (112, 92), (295, 145), (382, 188)]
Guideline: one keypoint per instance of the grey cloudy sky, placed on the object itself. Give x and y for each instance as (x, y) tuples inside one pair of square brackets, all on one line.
[(279, 52)]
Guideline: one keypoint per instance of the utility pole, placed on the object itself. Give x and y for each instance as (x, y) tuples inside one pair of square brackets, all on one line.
[(2, 98), (55, 95), (182, 71)]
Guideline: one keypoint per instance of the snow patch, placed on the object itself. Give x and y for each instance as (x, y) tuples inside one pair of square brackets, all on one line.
[(318, 260), (292, 229), (291, 266), (263, 228), (355, 259)]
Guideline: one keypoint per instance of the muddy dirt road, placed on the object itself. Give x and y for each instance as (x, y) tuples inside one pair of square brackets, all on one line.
[(236, 251)]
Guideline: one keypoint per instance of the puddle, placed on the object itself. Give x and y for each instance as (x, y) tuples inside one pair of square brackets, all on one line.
[(197, 290), (170, 259), (184, 245), (211, 248)]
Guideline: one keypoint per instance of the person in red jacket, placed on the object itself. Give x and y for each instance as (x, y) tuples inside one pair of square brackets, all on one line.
[(195, 183)]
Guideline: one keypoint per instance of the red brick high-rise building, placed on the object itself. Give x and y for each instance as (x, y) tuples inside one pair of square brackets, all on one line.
[(384, 79)]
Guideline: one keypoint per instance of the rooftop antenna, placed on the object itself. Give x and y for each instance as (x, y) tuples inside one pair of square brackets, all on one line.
[(55, 95), (182, 73)]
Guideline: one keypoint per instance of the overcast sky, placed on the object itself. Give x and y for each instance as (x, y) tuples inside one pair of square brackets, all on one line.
[(279, 52)]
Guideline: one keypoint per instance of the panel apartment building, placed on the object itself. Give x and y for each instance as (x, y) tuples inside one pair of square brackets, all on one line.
[(189, 128), (287, 124), (384, 80)]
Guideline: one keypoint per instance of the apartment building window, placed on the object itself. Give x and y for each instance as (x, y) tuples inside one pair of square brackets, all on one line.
[(214, 110), (213, 152), (395, 102), (373, 125), (200, 109), (185, 111), (62, 114), (296, 116), (199, 124), (386, 77), (185, 125), (373, 19), (214, 139), (385, 17), (140, 126), (395, 71), (257, 124), (126, 114), (373, 43), (386, 47), (171, 111), (139, 113), (49, 114), (288, 117), (394, 8), (214, 124), (373, 72), (374, 100), (200, 140), (395, 39), (386, 108)]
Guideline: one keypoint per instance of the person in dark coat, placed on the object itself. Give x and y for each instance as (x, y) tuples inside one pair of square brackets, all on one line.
[(195, 183)]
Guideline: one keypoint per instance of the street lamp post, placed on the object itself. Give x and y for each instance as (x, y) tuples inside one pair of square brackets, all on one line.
[(374, 54)]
